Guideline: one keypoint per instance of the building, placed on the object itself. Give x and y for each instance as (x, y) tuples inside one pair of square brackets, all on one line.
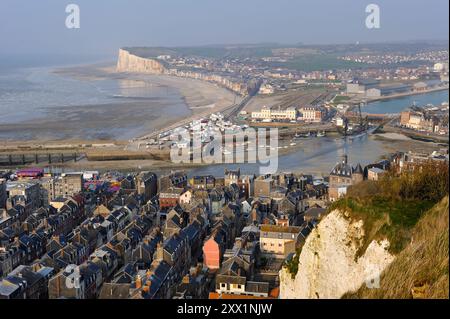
[(32, 283), (30, 173), (360, 86), (66, 185), (266, 89), (147, 185), (389, 89), (311, 114), (202, 182), (174, 179), (375, 173), (342, 176), (418, 120), (267, 113), (170, 197), (214, 248), (278, 241), (263, 186), (3, 196), (25, 193)]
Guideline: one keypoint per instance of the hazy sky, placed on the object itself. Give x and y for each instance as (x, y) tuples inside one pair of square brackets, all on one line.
[(38, 26)]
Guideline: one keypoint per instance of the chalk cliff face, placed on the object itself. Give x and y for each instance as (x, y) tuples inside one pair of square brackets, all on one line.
[(128, 62), (328, 263)]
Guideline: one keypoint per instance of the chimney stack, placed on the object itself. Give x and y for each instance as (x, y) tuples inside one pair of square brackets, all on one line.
[(138, 282)]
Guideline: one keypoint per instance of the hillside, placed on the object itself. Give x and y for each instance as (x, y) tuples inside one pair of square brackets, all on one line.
[(421, 269), (395, 230)]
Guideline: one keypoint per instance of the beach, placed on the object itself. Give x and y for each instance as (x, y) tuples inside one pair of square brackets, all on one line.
[(93, 102)]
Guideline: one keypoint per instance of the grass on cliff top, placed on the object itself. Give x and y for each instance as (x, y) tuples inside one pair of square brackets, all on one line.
[(385, 218), (421, 270), (391, 207)]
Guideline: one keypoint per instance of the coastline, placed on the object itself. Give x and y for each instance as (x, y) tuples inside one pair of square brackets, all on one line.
[(123, 106)]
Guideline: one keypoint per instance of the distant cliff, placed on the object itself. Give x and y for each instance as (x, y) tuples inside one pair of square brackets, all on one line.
[(128, 62), (329, 264)]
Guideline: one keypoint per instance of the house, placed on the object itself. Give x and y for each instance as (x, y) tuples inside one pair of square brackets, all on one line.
[(107, 259), (202, 182), (214, 247), (186, 197), (33, 245), (263, 186), (314, 213), (34, 283), (76, 282), (193, 233), (142, 255), (121, 245), (342, 176), (9, 290), (147, 185), (233, 279), (375, 173), (120, 218), (176, 252), (176, 179), (278, 241), (176, 220), (170, 197), (217, 200), (194, 285)]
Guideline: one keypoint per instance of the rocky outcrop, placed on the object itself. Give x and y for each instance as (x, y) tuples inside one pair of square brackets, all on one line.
[(329, 265), (128, 62)]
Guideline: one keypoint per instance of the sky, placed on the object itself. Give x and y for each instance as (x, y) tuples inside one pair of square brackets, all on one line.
[(38, 27)]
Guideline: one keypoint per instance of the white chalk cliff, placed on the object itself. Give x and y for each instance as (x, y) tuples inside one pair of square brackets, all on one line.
[(128, 62), (328, 263)]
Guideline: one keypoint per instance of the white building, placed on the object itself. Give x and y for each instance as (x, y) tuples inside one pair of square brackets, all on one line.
[(269, 114), (266, 89)]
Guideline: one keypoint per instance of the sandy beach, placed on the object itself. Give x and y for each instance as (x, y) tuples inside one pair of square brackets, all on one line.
[(93, 102)]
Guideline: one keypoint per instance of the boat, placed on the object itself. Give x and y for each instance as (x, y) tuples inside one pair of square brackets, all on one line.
[(320, 134), (303, 135), (293, 144)]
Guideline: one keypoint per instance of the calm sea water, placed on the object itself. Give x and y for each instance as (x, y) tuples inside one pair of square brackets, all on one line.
[(35, 92), (314, 155), (399, 104)]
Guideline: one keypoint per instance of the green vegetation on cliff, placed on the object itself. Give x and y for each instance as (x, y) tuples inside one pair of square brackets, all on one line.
[(421, 270), (391, 207)]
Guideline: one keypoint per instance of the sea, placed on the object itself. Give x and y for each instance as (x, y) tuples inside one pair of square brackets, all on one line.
[(32, 93)]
